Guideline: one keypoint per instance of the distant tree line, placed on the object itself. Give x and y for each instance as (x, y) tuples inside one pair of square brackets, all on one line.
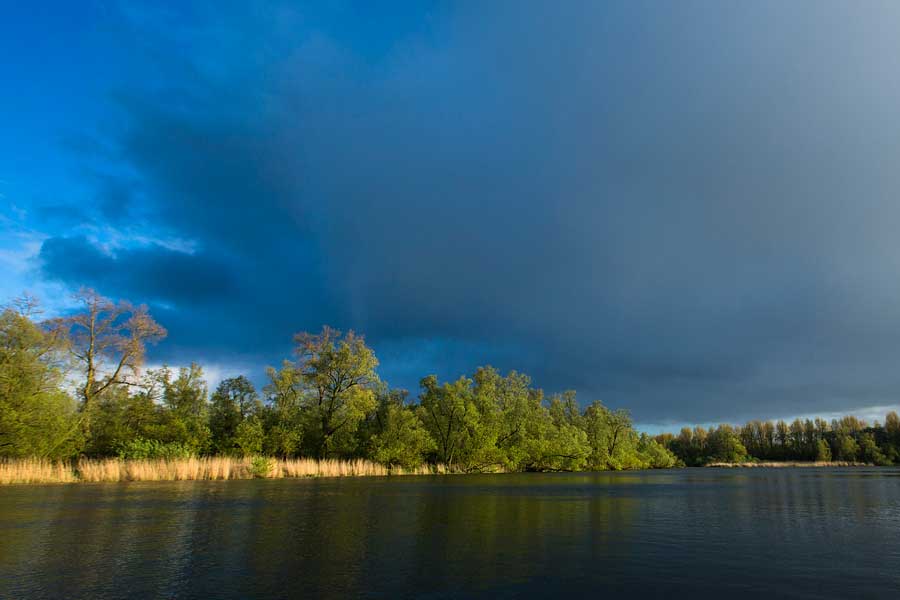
[(847, 439), (72, 386)]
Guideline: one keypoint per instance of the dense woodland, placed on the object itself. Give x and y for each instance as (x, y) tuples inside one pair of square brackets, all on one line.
[(847, 440), (73, 387)]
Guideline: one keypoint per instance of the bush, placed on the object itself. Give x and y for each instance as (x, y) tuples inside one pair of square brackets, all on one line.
[(261, 466), (249, 437), (142, 449)]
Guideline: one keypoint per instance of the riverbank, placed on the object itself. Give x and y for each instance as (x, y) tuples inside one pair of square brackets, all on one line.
[(24, 471), (785, 464)]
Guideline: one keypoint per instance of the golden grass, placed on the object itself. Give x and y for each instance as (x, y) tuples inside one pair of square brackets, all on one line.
[(35, 470), (192, 469), (817, 463)]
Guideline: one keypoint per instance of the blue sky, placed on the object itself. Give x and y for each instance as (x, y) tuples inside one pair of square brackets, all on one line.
[(689, 210)]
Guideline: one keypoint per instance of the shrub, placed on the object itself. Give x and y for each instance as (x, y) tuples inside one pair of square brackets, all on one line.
[(261, 466), (142, 449)]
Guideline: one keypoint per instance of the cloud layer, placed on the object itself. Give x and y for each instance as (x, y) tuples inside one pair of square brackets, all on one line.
[(690, 211)]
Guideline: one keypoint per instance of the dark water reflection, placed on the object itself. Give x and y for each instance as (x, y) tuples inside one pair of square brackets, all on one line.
[(800, 533)]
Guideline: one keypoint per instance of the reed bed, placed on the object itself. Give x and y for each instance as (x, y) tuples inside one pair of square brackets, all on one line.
[(775, 464), (35, 470), (195, 469)]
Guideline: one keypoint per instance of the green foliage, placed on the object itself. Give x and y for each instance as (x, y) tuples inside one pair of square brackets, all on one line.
[(37, 418), (141, 448), (234, 401), (869, 450), (846, 448), (612, 438), (261, 466), (336, 376), (330, 402), (724, 445), (186, 419), (282, 440), (846, 439), (555, 447), (250, 436), (282, 415), (402, 439), (460, 423), (118, 417), (823, 451), (655, 455)]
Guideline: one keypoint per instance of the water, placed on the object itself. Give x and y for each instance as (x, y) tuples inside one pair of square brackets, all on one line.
[(791, 533)]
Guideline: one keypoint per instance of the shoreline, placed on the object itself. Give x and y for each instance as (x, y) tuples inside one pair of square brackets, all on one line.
[(114, 470), (786, 464), (117, 470)]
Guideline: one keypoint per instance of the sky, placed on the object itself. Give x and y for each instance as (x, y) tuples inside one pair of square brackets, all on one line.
[(686, 209)]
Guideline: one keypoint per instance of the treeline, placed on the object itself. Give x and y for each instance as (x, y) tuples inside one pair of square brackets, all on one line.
[(73, 387), (847, 439)]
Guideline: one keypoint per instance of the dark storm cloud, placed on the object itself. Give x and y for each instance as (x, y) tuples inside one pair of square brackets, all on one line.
[(151, 273), (689, 210)]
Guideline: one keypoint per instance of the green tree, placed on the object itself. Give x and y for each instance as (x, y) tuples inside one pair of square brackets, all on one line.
[(446, 410), (282, 415), (118, 417), (339, 379), (869, 451), (845, 447), (892, 437), (654, 454), (186, 409), (36, 417), (402, 440), (612, 438), (554, 446), (823, 451), (234, 401), (724, 445), (249, 436)]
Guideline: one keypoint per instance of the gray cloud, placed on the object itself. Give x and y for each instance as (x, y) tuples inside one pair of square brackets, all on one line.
[(685, 210)]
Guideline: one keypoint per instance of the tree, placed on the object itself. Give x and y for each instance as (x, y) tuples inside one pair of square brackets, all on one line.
[(846, 447), (249, 436), (108, 341), (186, 417), (892, 426), (234, 401), (655, 455), (621, 440), (445, 411), (120, 417), (724, 445), (554, 446), (612, 438), (892, 437), (37, 418), (338, 378), (403, 439), (823, 451), (528, 437), (282, 414), (869, 450)]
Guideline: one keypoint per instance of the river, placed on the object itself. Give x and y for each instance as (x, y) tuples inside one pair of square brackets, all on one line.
[(739, 533)]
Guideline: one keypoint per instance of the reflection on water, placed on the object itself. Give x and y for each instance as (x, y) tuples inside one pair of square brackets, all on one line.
[(806, 533)]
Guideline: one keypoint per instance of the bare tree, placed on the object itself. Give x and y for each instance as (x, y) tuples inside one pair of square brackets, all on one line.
[(107, 340)]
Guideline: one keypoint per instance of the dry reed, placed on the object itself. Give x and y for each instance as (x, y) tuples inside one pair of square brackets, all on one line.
[(191, 469), (34, 470)]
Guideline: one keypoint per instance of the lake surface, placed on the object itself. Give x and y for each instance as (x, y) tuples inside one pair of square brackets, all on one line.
[(791, 533)]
